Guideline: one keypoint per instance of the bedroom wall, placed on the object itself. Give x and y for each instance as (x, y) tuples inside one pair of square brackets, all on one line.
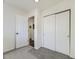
[(9, 24)]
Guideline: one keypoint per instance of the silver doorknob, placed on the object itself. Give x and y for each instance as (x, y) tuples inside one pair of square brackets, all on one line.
[(68, 36), (17, 33)]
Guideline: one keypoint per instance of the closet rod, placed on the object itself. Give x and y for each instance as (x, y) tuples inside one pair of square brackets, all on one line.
[(58, 12)]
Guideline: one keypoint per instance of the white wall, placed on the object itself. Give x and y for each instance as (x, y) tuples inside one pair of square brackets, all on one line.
[(64, 5), (9, 14)]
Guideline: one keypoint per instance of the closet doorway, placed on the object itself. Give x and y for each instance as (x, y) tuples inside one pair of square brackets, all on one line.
[(31, 27)]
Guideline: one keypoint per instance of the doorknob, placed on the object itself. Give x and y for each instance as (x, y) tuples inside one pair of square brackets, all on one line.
[(17, 33), (68, 36)]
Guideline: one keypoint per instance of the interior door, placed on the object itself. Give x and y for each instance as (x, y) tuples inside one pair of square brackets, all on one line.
[(62, 32), (49, 32), (21, 31)]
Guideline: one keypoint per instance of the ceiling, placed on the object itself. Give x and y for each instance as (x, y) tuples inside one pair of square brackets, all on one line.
[(28, 5)]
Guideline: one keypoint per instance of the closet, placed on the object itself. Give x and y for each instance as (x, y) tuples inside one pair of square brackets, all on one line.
[(49, 32), (56, 32)]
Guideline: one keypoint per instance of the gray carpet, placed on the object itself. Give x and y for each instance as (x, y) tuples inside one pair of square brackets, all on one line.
[(44, 53), (31, 53)]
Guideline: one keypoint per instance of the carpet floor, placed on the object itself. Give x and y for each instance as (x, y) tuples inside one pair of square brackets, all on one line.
[(31, 53)]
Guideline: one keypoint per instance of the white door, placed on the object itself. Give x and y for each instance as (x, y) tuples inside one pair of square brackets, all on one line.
[(62, 32), (21, 31), (49, 32)]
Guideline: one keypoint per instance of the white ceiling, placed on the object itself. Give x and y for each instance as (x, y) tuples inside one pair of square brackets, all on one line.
[(28, 5)]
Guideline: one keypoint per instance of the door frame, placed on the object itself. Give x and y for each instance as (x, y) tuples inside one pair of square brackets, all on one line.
[(34, 29), (69, 27)]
